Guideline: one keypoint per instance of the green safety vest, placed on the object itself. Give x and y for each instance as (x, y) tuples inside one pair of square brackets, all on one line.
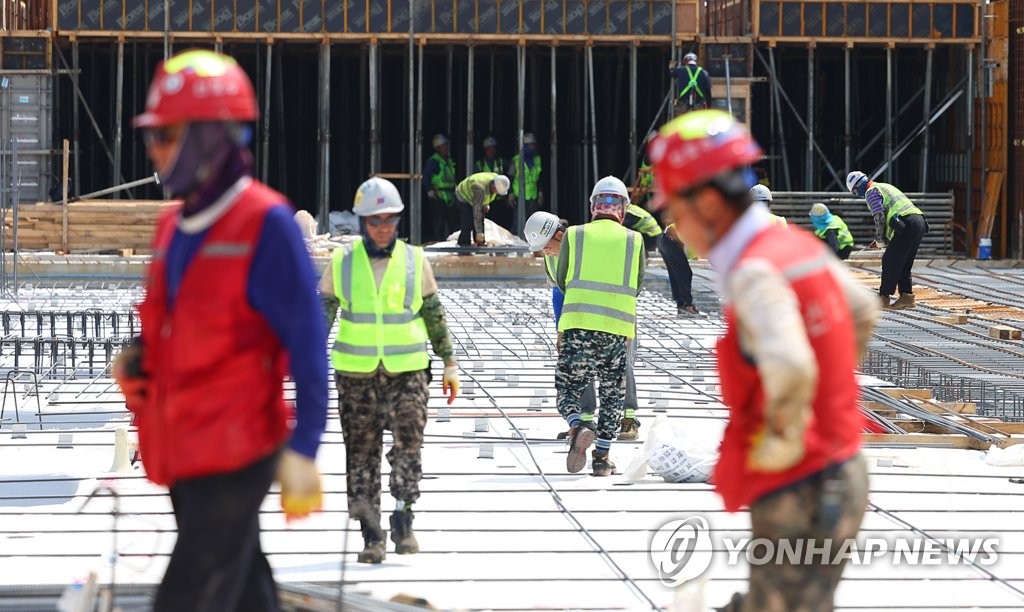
[(497, 165), (444, 180), (894, 203), (480, 180), (693, 82), (602, 278), (843, 234), (379, 325), (646, 224), (646, 181), (532, 177), (551, 265)]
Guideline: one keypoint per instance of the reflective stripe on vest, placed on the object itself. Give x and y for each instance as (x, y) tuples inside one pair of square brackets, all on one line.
[(532, 177), (843, 235), (693, 82), (894, 203), (551, 265), (602, 279), (646, 223), (444, 180), (480, 180), (379, 324)]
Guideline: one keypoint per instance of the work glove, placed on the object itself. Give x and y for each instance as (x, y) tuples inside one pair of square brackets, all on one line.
[(450, 381), (480, 241), (127, 371), (301, 493), (774, 452)]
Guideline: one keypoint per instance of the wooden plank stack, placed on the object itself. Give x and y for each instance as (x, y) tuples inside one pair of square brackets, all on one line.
[(937, 209), (95, 226)]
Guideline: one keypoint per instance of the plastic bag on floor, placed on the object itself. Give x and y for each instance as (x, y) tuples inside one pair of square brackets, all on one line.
[(1004, 457), (675, 454)]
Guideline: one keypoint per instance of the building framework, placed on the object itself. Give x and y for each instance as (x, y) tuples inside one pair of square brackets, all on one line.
[(912, 92)]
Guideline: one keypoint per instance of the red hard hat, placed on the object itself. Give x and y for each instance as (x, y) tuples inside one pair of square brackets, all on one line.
[(198, 85), (696, 147)]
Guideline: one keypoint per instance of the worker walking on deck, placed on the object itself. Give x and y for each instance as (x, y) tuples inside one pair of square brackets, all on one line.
[(680, 275), (384, 295), (797, 324), (760, 193), (832, 229), (439, 183), (230, 309), (544, 232), (600, 270), (904, 226), (474, 196)]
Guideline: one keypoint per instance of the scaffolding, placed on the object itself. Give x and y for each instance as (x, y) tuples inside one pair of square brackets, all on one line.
[(352, 89)]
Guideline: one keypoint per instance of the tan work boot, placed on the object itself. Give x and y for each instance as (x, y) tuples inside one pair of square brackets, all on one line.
[(602, 465), (906, 300), (630, 429), (373, 543), (884, 299)]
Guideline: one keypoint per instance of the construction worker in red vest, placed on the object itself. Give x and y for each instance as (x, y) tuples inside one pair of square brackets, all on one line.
[(797, 324), (230, 310)]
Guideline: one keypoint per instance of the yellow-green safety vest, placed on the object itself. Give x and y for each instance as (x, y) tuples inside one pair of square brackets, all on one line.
[(379, 325), (496, 165), (602, 278), (551, 265), (894, 203), (646, 223), (481, 180), (443, 180), (843, 234), (532, 177)]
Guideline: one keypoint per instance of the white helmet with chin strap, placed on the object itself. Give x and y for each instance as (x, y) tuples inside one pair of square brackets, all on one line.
[(609, 197), (377, 196), (853, 179)]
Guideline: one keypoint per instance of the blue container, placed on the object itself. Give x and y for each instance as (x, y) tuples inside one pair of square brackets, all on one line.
[(984, 248)]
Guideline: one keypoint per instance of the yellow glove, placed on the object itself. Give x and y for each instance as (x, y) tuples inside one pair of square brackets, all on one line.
[(773, 452), (301, 493), (450, 381)]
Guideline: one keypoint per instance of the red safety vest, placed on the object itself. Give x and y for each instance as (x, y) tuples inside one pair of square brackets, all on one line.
[(834, 433), (217, 368)]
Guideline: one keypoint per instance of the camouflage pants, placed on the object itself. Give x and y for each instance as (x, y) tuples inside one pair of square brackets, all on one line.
[(367, 407), (585, 356), (798, 512)]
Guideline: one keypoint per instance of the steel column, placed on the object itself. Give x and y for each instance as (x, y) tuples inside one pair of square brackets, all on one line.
[(847, 127), (809, 162), (888, 112), (265, 136), (449, 94), (374, 69), (75, 70), (325, 138), (632, 112), (778, 114), (118, 111), (470, 134), (521, 169), (416, 218), (927, 113), (414, 190), (593, 110), (553, 162)]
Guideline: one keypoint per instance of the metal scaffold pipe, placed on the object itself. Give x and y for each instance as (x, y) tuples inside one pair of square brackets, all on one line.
[(414, 209), (470, 134), (325, 137), (521, 168), (553, 163)]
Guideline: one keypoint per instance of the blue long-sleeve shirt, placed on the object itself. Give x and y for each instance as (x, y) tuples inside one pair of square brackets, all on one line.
[(429, 170), (282, 287)]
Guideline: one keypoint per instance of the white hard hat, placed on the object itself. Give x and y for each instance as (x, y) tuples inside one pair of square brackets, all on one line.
[(501, 184), (854, 178), (529, 139), (377, 196), (540, 228), (490, 142), (819, 210), (609, 184), (675, 465), (439, 140), (690, 57), (760, 193)]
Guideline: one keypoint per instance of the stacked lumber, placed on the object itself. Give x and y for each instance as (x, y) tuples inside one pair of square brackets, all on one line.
[(96, 226), (937, 208)]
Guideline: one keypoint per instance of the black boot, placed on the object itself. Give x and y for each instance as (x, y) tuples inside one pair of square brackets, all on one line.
[(401, 533), (373, 542)]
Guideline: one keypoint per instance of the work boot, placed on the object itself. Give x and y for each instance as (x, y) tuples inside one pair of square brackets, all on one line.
[(564, 435), (602, 465), (580, 439), (373, 543), (884, 300), (687, 311), (401, 533), (630, 429), (906, 300)]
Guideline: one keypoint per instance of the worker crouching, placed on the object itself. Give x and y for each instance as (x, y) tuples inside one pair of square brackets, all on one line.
[(600, 270), (796, 325), (384, 295)]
